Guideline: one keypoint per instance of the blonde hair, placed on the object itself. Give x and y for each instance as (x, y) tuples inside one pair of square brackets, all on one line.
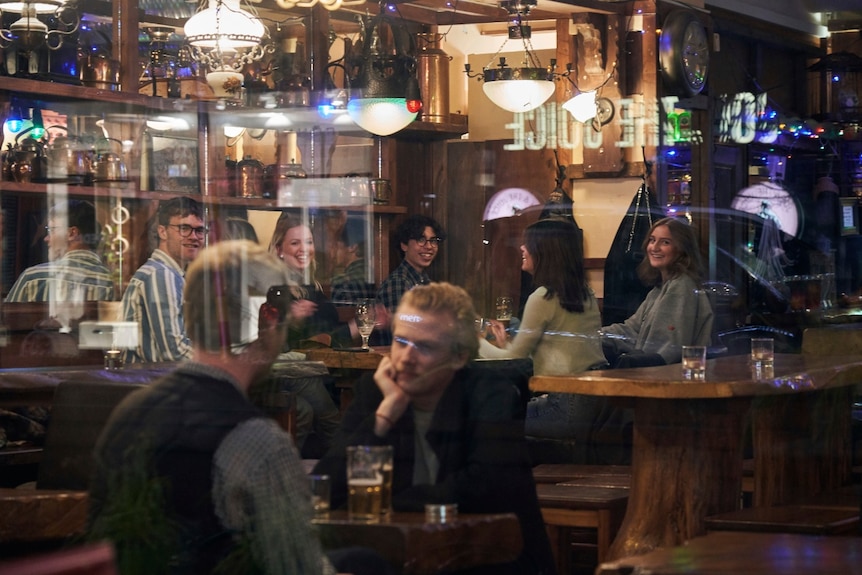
[(219, 281), (445, 298)]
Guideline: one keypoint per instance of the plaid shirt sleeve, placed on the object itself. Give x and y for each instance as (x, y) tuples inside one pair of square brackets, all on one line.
[(260, 489)]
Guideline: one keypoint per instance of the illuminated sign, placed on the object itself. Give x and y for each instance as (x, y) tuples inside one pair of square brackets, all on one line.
[(743, 118)]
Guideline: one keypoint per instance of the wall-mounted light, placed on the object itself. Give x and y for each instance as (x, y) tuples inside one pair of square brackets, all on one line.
[(582, 106), (587, 105), (523, 88)]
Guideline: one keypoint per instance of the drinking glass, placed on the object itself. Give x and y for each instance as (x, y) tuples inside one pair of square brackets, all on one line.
[(366, 316), (320, 494), (763, 357), (504, 308), (365, 478), (694, 362)]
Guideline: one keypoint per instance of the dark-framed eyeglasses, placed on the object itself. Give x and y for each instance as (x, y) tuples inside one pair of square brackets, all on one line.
[(276, 306), (435, 241), (186, 230)]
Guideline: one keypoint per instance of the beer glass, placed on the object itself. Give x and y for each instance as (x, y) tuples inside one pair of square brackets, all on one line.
[(365, 474)]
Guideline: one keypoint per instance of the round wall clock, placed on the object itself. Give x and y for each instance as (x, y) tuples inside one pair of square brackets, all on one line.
[(509, 202), (684, 53)]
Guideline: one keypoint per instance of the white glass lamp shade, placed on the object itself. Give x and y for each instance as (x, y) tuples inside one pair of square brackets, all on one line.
[(224, 25), (518, 95), (19, 6), (582, 107), (380, 116)]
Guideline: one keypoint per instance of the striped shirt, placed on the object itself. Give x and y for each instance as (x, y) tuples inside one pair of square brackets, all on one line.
[(78, 276), (154, 299)]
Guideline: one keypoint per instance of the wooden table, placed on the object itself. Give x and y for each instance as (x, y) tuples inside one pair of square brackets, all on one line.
[(749, 553), (688, 438), (35, 386), (345, 364), (416, 547)]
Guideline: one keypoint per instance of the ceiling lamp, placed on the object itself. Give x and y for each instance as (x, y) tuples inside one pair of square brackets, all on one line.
[(328, 4), (524, 88), (384, 93), (224, 37), (29, 32)]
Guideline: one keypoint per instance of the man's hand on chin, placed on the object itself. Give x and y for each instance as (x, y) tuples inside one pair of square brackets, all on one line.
[(395, 401)]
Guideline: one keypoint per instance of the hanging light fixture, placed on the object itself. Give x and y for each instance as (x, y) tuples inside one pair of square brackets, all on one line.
[(524, 88), (224, 37), (384, 94), (28, 32), (328, 4)]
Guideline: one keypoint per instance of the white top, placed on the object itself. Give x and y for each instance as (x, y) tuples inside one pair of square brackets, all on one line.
[(559, 341)]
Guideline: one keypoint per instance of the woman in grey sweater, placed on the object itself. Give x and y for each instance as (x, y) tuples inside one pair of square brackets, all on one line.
[(676, 311)]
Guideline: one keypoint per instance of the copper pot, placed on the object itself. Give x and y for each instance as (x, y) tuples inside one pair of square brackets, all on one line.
[(97, 71)]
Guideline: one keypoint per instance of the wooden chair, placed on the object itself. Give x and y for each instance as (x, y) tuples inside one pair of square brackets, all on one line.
[(80, 411), (567, 508)]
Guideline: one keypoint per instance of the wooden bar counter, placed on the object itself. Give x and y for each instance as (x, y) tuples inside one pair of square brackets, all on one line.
[(688, 438), (750, 553), (417, 547)]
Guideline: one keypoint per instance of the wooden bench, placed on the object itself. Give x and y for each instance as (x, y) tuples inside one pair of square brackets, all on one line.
[(797, 518), (567, 472), (569, 507)]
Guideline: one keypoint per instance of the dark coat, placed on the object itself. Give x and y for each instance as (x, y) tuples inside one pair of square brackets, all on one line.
[(479, 442)]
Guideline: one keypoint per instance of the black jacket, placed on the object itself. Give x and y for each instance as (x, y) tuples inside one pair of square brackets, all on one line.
[(479, 442)]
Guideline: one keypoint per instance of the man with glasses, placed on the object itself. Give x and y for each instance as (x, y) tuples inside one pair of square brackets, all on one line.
[(454, 427), (74, 272), (154, 296), (419, 238)]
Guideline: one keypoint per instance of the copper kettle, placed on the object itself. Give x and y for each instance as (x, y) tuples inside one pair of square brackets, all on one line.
[(108, 166), (69, 160)]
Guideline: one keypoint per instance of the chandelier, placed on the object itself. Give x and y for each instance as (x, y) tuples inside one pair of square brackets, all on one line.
[(523, 88), (224, 37), (29, 32)]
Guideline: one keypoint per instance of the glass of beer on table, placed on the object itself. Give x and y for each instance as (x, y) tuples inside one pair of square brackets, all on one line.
[(369, 481)]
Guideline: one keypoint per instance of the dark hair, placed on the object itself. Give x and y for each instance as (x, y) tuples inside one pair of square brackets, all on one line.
[(688, 254), (79, 214), (353, 234), (180, 206), (414, 226), (557, 249), (238, 229)]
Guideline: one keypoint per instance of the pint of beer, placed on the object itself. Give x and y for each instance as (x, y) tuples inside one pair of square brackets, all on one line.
[(369, 481), (363, 503)]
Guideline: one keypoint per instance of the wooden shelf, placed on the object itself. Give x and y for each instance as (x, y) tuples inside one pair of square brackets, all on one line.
[(56, 91), (126, 190)]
